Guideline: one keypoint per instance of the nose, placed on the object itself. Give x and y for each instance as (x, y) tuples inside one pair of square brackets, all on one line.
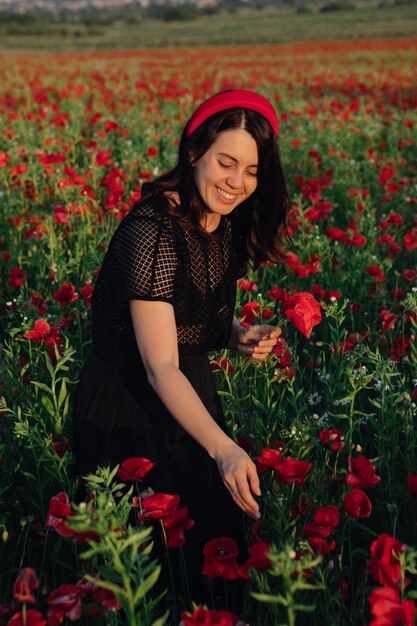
[(235, 179)]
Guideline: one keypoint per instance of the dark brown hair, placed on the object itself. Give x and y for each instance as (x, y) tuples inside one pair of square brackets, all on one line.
[(261, 218)]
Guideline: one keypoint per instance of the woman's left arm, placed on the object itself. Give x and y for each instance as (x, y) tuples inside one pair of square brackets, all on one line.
[(256, 341)]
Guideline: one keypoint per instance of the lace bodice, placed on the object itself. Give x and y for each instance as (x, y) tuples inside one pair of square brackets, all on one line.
[(151, 257)]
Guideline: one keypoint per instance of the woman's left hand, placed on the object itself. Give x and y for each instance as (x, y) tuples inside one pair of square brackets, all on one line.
[(257, 341)]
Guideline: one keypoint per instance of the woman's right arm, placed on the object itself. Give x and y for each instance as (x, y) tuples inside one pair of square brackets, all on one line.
[(156, 336)]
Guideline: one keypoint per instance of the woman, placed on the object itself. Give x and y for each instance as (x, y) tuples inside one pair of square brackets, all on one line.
[(165, 295)]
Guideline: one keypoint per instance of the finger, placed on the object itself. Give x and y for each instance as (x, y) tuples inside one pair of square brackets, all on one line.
[(245, 494), (254, 480), (239, 500)]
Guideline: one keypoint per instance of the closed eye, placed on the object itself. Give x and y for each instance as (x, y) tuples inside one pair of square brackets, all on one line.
[(226, 166)]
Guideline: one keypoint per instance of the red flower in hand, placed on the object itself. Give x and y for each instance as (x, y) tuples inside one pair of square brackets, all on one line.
[(361, 473), (385, 565), (250, 312), (64, 602), (159, 506), (293, 471), (175, 524), (204, 617), (33, 618), (357, 504), (134, 468), (388, 609), (59, 510), (304, 311), (220, 558), (26, 583)]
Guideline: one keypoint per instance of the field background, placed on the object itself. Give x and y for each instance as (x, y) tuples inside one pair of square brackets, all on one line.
[(280, 24)]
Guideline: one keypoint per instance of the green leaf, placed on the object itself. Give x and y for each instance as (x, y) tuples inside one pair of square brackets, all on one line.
[(108, 573), (47, 403), (263, 597), (42, 386), (147, 584), (374, 403), (62, 394), (137, 539), (118, 591), (306, 608)]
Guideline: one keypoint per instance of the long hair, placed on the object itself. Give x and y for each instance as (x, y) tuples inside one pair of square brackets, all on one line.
[(261, 218)]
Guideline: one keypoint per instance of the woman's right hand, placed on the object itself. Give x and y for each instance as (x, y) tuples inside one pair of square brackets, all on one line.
[(239, 475)]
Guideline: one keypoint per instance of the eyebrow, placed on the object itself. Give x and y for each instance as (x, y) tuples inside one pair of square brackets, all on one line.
[(229, 156)]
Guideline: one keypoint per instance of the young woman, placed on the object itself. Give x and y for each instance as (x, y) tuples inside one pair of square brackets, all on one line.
[(164, 297)]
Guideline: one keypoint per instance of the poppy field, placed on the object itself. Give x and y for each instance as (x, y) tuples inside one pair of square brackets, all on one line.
[(330, 418)]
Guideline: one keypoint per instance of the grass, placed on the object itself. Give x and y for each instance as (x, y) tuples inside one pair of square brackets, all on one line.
[(246, 26)]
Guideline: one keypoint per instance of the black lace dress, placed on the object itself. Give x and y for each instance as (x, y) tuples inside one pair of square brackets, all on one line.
[(117, 414)]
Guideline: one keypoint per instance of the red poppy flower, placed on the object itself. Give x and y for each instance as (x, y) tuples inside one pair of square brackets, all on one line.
[(59, 510), (25, 584), (361, 473), (175, 524), (357, 504), (60, 444), (385, 565), (250, 312), (332, 439), (324, 521), (39, 303), (409, 275), (268, 459), (205, 617), (32, 618), (87, 293), (134, 468), (16, 277), (65, 294), (107, 600), (388, 609), (247, 285), (327, 514), (320, 545), (336, 234), (258, 557), (375, 272), (304, 311), (159, 505), (279, 295), (412, 484), (410, 240), (222, 364), (220, 558), (64, 602), (293, 471), (40, 331)]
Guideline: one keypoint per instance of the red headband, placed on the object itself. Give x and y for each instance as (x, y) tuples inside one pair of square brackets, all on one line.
[(234, 99)]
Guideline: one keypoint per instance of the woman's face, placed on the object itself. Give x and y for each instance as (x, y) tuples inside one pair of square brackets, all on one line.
[(226, 174)]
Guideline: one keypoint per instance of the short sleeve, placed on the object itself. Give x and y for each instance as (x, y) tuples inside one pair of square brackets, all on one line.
[(145, 260)]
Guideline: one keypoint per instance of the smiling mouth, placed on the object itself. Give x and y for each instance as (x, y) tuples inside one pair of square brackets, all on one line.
[(225, 195)]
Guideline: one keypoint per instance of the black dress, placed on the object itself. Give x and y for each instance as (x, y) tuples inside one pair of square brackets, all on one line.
[(117, 414)]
